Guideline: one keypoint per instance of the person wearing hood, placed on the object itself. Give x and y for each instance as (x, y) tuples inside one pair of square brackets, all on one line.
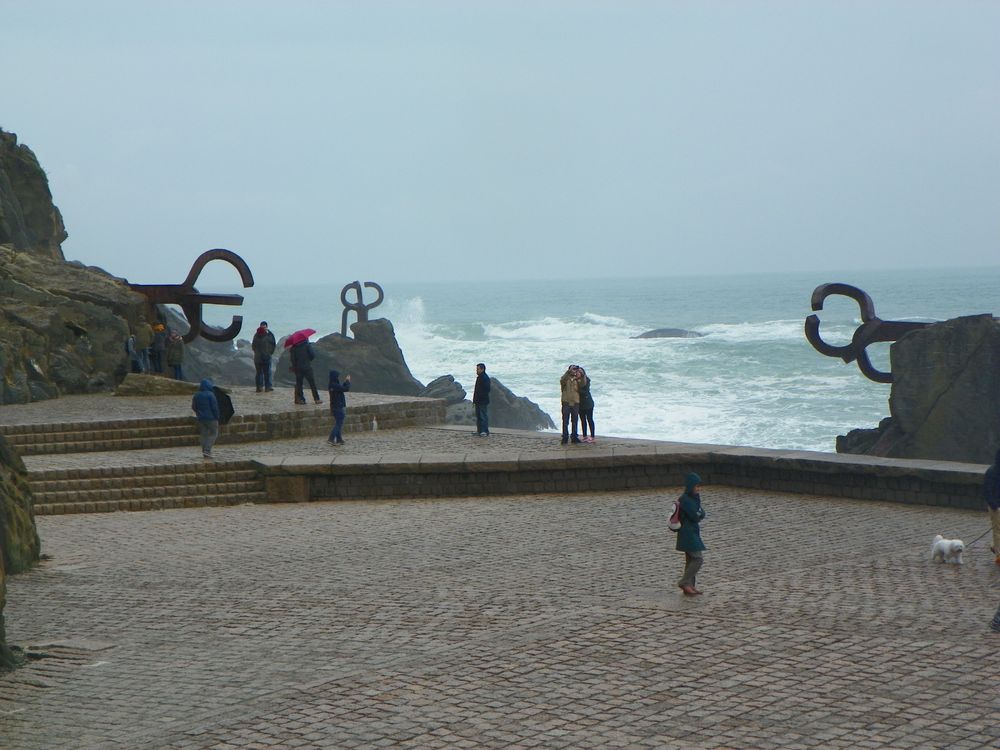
[(206, 410), (991, 493), (263, 346), (302, 355), (689, 535), (338, 405)]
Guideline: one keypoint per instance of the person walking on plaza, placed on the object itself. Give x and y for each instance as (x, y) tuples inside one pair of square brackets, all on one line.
[(159, 349), (302, 355), (586, 407), (338, 405), (206, 411), (263, 349), (991, 493), (481, 400), (689, 535), (569, 384), (175, 355)]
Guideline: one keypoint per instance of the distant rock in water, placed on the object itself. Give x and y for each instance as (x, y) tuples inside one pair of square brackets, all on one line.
[(669, 333)]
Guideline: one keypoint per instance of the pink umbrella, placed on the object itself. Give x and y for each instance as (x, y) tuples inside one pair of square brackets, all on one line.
[(299, 336)]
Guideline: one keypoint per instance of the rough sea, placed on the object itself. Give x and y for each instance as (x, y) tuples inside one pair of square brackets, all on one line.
[(750, 379)]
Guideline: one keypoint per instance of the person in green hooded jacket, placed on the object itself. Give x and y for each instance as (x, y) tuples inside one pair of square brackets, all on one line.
[(689, 535)]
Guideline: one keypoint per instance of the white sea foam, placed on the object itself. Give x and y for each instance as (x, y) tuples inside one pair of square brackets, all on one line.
[(751, 379)]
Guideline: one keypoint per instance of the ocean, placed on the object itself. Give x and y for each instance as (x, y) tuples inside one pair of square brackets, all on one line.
[(750, 379)]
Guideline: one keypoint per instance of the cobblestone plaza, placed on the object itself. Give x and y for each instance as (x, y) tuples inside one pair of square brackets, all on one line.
[(549, 621)]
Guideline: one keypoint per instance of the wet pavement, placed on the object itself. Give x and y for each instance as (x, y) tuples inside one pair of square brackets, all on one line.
[(506, 622)]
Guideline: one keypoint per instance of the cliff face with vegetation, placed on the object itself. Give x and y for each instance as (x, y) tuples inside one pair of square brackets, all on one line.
[(62, 325)]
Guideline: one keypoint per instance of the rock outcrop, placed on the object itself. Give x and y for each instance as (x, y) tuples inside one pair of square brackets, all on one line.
[(945, 398), (62, 325), (669, 333), (372, 358), (29, 221), (506, 408), (19, 543)]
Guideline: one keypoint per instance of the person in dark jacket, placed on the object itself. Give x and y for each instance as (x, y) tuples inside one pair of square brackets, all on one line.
[(159, 350), (481, 401), (175, 355), (206, 411), (689, 536), (302, 356), (586, 406), (991, 493), (263, 345), (338, 405)]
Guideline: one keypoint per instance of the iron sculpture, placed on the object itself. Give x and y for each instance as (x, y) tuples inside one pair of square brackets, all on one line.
[(190, 300), (872, 330), (358, 307)]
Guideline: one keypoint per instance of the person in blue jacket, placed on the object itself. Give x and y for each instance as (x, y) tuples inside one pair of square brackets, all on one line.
[(689, 536), (206, 410), (338, 405)]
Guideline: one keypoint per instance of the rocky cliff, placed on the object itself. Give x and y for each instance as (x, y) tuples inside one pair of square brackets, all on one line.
[(945, 398), (19, 543), (29, 221), (62, 325)]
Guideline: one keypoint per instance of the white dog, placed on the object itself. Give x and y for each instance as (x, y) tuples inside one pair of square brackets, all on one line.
[(947, 550)]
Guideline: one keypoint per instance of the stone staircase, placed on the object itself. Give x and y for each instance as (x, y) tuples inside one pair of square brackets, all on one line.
[(191, 485), (146, 482)]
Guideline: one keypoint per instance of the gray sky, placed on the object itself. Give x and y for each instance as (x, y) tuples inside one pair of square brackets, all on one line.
[(397, 141)]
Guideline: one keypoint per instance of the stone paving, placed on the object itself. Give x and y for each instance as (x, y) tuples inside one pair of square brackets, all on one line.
[(545, 621)]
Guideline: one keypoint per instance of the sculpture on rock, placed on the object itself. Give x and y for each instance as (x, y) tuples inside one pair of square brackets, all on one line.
[(871, 331), (358, 307), (190, 300)]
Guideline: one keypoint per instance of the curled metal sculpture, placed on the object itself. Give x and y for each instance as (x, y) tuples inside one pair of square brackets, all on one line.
[(358, 307), (190, 300), (871, 331)]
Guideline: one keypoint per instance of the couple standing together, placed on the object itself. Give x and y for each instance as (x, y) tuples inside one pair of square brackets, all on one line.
[(577, 405)]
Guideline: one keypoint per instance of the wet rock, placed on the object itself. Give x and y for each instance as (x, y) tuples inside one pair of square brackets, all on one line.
[(669, 333), (945, 398)]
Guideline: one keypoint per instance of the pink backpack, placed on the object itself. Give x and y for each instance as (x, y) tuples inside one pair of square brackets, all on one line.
[(674, 524)]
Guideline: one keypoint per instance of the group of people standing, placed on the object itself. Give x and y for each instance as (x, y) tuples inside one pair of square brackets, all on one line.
[(152, 349), (577, 406)]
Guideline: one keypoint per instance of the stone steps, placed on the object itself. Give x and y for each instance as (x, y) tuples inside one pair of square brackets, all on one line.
[(146, 487), (171, 432)]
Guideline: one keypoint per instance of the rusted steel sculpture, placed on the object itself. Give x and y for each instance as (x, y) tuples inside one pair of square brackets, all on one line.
[(871, 331), (359, 307), (190, 300)]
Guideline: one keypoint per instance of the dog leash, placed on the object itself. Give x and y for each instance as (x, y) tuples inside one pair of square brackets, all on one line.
[(978, 538)]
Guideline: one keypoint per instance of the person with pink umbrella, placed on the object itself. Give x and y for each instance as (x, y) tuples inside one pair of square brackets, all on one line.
[(302, 355)]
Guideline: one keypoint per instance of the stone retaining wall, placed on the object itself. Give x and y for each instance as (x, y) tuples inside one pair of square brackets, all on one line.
[(895, 480)]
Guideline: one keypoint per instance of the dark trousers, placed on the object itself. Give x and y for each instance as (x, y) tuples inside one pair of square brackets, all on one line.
[(305, 373), (570, 412), (483, 418), (338, 426), (263, 374), (587, 419), (156, 357)]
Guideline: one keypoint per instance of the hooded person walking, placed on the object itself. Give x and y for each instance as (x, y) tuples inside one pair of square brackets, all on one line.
[(338, 405), (689, 535), (206, 410)]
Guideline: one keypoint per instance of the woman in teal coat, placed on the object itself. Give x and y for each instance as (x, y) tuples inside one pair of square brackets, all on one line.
[(689, 536)]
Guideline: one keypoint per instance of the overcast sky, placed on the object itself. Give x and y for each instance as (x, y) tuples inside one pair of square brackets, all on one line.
[(397, 141)]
